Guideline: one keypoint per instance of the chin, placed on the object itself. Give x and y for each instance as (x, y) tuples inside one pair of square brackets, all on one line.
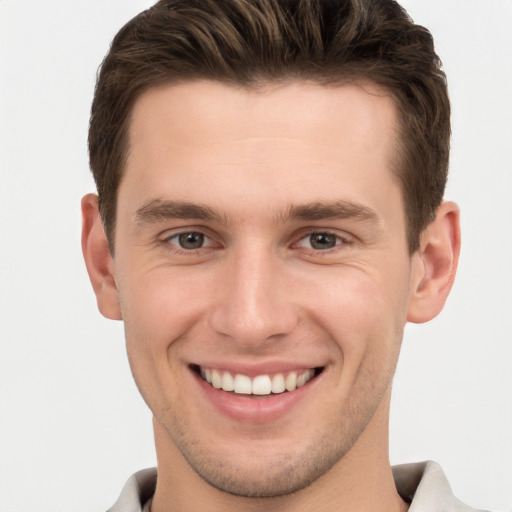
[(274, 475), (262, 482)]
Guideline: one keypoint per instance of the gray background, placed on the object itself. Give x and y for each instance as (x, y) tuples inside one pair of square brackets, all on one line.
[(72, 426)]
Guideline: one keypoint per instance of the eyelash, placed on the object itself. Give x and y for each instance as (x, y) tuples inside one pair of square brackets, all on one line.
[(339, 241), (177, 249)]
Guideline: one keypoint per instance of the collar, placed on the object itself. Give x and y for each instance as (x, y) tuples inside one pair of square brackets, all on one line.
[(425, 487), (422, 484)]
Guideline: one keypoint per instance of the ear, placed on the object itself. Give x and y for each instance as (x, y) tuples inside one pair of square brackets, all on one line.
[(435, 264), (98, 260)]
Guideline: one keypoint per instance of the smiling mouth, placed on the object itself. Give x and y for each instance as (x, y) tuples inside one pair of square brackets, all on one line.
[(261, 385)]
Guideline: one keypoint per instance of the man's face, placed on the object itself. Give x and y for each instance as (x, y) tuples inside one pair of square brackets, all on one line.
[(260, 242)]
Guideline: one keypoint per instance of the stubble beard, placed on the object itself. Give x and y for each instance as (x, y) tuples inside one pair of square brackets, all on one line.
[(287, 473)]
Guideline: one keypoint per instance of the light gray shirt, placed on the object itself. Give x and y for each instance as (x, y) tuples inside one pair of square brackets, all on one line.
[(423, 484)]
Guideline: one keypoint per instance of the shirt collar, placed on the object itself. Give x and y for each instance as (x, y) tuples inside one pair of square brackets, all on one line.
[(422, 484)]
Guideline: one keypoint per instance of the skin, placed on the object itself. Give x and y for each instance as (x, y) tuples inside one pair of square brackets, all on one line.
[(268, 168)]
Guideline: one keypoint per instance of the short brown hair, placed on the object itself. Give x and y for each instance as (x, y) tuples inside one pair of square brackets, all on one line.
[(250, 43)]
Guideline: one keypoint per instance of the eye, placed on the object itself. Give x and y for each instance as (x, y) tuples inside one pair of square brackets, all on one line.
[(190, 240), (320, 241)]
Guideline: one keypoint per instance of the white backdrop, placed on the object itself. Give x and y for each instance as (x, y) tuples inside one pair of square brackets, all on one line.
[(72, 426)]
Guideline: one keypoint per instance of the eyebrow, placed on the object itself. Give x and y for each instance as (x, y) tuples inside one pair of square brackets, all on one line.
[(332, 210), (158, 210)]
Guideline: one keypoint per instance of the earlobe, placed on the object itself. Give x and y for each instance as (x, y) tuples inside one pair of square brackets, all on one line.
[(98, 259), (435, 264)]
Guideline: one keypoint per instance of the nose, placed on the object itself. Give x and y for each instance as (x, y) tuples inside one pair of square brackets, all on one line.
[(254, 302)]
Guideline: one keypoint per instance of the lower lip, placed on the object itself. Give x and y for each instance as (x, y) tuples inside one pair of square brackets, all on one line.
[(253, 408)]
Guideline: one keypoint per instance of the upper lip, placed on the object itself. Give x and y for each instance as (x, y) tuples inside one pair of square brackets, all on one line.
[(254, 369)]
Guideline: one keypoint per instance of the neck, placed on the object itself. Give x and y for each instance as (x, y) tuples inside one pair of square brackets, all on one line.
[(361, 481)]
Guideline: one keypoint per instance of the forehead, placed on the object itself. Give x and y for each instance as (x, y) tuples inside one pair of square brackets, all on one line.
[(297, 109), (296, 142)]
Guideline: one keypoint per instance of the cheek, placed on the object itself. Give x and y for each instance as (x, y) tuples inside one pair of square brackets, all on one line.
[(363, 313), (161, 306), (160, 311)]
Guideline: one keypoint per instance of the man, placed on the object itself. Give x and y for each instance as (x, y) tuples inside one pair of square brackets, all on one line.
[(269, 216)]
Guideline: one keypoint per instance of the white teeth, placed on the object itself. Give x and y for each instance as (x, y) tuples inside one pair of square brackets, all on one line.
[(291, 381), (216, 379), (243, 384), (305, 377), (278, 383), (228, 383), (260, 385)]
